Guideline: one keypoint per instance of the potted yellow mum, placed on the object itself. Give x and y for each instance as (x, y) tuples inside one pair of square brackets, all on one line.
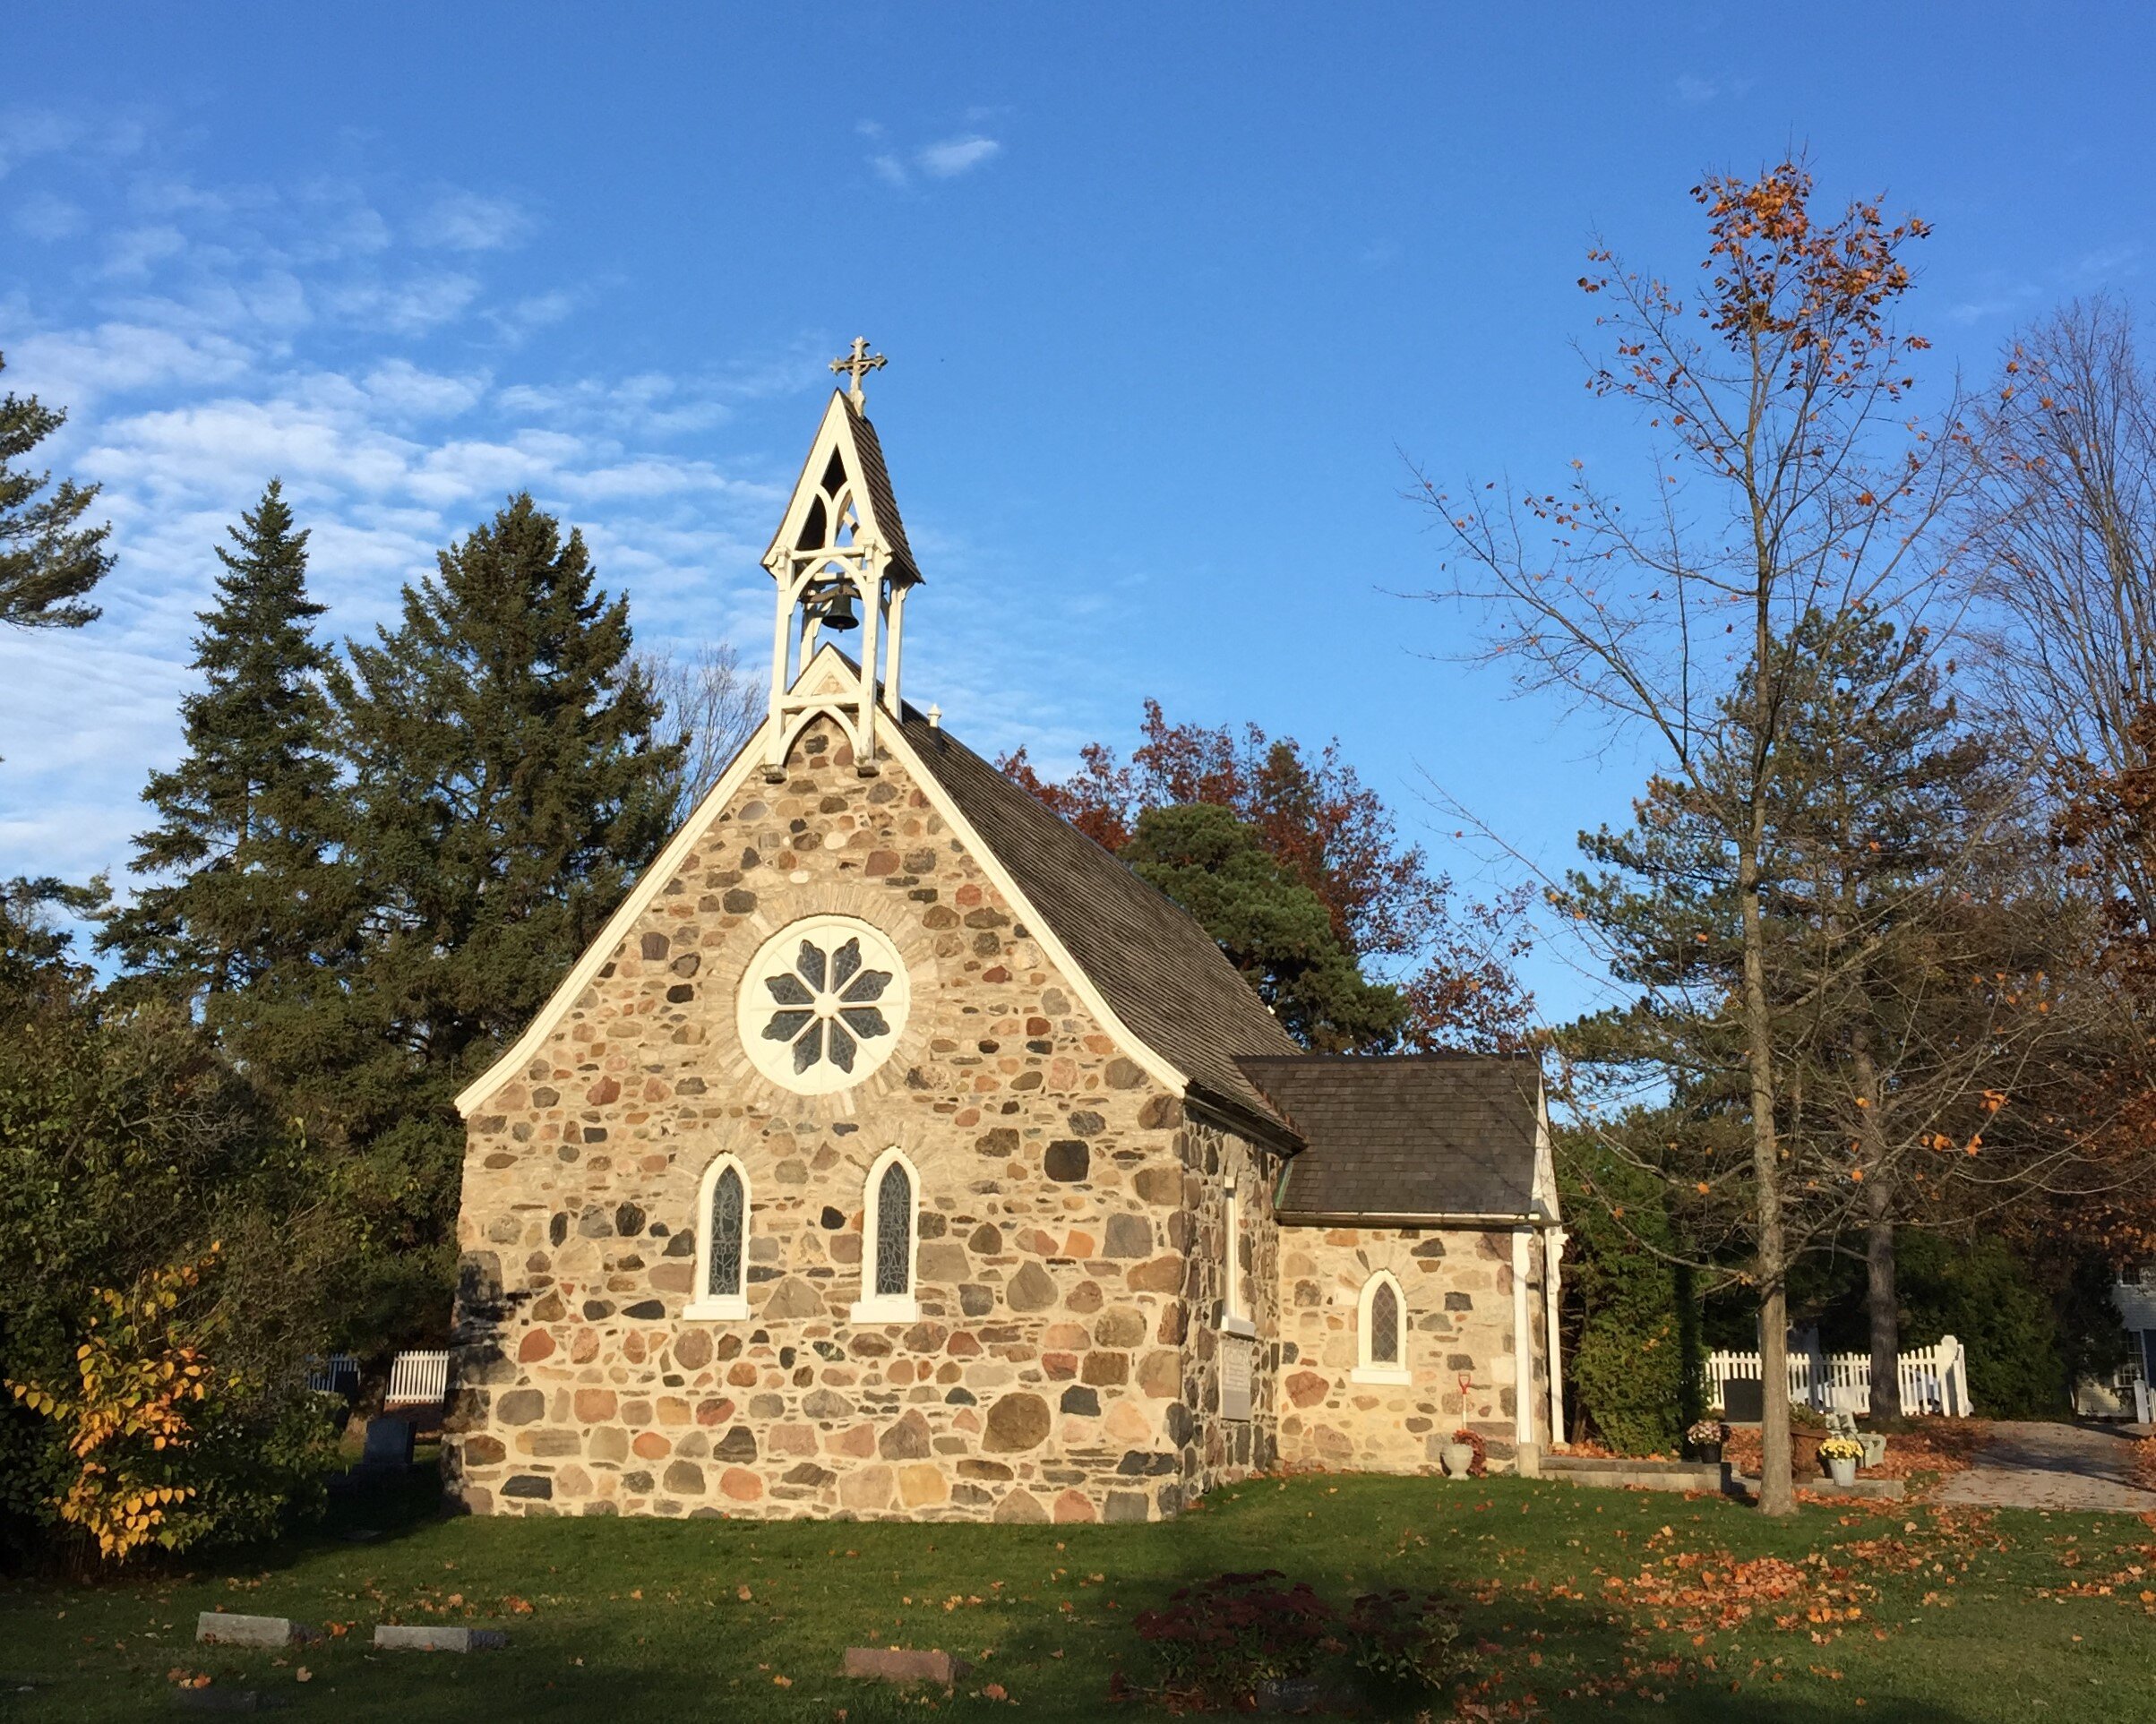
[(1840, 1454)]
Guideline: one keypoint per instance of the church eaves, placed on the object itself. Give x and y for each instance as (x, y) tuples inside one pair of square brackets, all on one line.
[(1160, 985), (1459, 1136), (1167, 978)]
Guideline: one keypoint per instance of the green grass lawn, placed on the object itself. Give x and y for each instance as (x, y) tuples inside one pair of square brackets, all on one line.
[(1892, 1612)]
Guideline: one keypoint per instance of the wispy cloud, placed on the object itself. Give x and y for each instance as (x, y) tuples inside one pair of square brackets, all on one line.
[(42, 216), (28, 131), (220, 335), (133, 250), (463, 221), (1992, 296), (527, 316), (410, 306), (946, 158), (956, 155), (1695, 91)]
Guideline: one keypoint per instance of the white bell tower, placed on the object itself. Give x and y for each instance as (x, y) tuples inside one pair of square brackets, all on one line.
[(841, 561)]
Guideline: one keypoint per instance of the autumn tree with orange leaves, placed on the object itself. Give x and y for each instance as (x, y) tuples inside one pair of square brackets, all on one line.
[(1791, 481), (1453, 961)]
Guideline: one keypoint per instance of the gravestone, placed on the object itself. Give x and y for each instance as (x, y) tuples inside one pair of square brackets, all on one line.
[(389, 1445), (903, 1664), (427, 1637), (225, 1628)]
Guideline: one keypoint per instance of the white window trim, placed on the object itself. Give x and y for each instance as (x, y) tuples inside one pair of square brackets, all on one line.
[(873, 1307), (720, 1307), (1234, 1305), (1367, 1369), (755, 1007)]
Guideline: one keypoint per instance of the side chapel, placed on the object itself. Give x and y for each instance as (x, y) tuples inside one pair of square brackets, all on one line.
[(896, 1151)]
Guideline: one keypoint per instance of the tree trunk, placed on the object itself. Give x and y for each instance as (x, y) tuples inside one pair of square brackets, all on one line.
[(1884, 1306), (1777, 1493)]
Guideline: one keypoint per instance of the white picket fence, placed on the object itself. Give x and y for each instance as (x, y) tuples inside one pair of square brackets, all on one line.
[(339, 1373), (1934, 1379), (418, 1380)]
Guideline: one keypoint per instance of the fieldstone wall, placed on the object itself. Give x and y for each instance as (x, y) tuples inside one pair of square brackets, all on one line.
[(1060, 1367), (1222, 1448), (1456, 1322)]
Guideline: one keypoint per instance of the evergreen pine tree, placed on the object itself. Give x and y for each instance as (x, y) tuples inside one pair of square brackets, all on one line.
[(1273, 928), (48, 560), (508, 785), (252, 904)]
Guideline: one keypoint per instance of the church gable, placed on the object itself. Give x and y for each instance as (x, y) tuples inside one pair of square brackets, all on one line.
[(829, 937), (682, 1196), (896, 1151)]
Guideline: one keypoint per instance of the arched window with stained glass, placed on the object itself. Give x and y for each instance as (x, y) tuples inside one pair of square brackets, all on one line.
[(888, 1231), (1381, 1331), (722, 1242)]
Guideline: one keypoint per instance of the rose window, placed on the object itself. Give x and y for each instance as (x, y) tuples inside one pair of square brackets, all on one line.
[(822, 1004)]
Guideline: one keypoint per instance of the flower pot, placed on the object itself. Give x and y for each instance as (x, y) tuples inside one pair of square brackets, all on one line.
[(1842, 1469), (1459, 1459), (1708, 1452)]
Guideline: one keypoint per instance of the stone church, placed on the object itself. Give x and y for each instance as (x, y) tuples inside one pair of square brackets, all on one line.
[(896, 1151)]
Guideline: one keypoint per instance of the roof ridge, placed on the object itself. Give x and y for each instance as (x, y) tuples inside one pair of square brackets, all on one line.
[(1161, 972)]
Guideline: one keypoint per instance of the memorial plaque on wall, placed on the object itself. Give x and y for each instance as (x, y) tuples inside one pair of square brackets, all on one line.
[(1235, 1376)]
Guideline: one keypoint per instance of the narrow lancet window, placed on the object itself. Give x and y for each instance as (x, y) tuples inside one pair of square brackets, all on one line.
[(894, 1233), (1381, 1331), (722, 1244), (729, 1212), (1385, 1326)]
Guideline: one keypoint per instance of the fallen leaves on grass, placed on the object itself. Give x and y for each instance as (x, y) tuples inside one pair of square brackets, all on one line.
[(1931, 1446), (2145, 1463), (1714, 1589)]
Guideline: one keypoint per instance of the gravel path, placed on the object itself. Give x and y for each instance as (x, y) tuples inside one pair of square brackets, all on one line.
[(2032, 1465)]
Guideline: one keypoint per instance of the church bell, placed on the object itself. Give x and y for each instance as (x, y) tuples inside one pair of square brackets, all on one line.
[(837, 610)]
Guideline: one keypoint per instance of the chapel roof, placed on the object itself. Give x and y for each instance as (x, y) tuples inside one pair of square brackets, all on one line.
[(1159, 970), (877, 480), (1451, 1134), (844, 460)]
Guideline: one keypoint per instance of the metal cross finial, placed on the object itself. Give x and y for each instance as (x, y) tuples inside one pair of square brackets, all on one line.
[(859, 363)]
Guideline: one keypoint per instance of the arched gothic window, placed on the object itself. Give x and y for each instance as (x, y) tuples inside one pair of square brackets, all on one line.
[(888, 1236), (894, 1232), (1381, 1331), (722, 1242)]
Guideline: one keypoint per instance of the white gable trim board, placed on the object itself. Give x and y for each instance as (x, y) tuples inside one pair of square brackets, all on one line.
[(669, 862)]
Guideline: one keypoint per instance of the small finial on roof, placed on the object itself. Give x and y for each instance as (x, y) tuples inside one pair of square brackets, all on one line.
[(859, 363), (935, 717)]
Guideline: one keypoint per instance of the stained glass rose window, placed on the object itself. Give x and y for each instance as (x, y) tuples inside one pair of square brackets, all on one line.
[(822, 1004)]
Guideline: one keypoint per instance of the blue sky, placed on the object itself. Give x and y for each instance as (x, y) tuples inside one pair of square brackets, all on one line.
[(1172, 296)]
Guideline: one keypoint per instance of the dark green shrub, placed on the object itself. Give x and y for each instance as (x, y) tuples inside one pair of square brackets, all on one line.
[(1400, 1642), (1222, 1637), (1981, 1294)]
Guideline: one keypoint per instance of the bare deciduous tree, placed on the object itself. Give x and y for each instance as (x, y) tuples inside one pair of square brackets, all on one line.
[(2065, 527), (1791, 481), (2063, 564), (711, 706)]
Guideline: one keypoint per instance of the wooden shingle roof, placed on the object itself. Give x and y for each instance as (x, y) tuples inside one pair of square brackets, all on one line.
[(876, 480), (1158, 969), (1452, 1134)]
